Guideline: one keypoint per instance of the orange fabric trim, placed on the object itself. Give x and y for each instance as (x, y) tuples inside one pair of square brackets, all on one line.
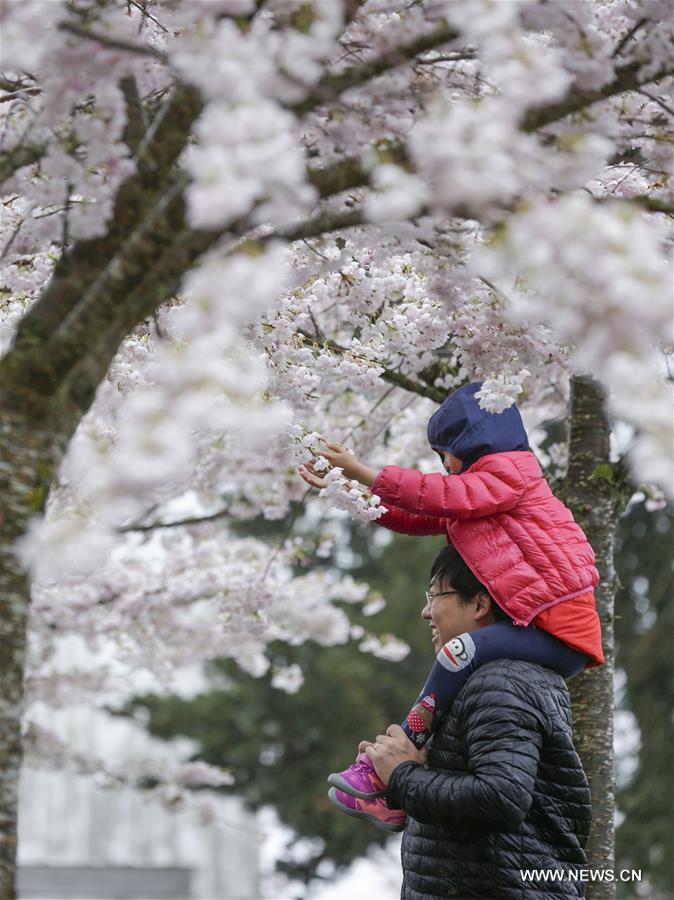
[(576, 623)]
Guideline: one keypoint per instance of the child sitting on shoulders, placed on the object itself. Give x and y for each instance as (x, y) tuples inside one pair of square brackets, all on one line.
[(519, 540)]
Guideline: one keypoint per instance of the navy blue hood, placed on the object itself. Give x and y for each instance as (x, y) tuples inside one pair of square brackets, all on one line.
[(464, 429)]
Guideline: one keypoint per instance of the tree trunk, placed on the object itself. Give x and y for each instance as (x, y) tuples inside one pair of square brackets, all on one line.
[(593, 490), (28, 457)]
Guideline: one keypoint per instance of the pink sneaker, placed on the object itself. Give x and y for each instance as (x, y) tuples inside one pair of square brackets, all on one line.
[(359, 780), (375, 811)]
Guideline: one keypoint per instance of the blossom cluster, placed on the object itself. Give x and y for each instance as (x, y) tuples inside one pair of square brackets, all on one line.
[(248, 160), (342, 493), (613, 289), (73, 106), (223, 596)]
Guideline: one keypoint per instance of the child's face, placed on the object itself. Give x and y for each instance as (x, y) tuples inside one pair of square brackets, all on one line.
[(452, 464)]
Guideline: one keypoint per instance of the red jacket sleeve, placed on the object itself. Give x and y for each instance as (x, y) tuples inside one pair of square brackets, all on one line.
[(469, 496), (406, 523)]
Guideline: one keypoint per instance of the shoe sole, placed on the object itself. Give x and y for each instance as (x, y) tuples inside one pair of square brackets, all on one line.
[(342, 784), (385, 826)]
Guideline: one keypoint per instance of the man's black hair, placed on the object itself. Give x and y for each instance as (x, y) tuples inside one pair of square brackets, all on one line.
[(449, 567)]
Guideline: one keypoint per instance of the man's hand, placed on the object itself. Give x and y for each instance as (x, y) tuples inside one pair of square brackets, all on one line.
[(338, 457), (390, 749)]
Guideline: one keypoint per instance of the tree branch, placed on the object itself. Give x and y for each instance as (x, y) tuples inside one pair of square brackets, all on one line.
[(340, 176), (98, 305), (332, 85), (589, 429), (7, 84), (622, 43), (114, 43), (136, 122), (661, 103), (181, 523), (19, 94), (626, 79), (146, 15), (650, 204), (448, 57), (653, 204), (350, 172), (78, 269), (394, 378)]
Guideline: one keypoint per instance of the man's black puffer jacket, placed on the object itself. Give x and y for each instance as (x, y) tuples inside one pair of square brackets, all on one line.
[(503, 790)]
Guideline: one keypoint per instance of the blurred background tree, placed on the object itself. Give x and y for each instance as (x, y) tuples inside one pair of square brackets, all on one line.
[(282, 747), (645, 638)]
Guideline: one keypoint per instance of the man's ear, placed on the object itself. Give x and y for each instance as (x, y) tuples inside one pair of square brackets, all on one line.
[(483, 604)]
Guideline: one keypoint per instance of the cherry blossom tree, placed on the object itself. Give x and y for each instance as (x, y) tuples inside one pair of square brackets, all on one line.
[(231, 228)]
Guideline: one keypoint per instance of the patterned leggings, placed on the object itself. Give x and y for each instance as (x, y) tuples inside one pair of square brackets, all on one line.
[(459, 658)]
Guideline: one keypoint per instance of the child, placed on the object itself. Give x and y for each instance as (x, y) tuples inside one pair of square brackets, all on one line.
[(519, 540)]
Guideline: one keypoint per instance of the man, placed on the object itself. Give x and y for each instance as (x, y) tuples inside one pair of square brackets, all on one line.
[(501, 788)]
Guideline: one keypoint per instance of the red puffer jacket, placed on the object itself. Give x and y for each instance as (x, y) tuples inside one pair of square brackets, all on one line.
[(519, 540)]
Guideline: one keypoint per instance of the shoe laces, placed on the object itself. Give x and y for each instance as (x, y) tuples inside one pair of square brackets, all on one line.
[(362, 768)]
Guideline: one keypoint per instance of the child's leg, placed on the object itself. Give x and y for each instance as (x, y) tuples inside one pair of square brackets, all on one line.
[(459, 658), (455, 663)]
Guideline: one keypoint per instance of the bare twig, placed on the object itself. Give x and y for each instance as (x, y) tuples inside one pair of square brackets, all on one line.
[(661, 103), (7, 84), (286, 532), (66, 219), (11, 239), (492, 287), (181, 523), (384, 396), (114, 43), (311, 247), (20, 94), (405, 406), (447, 57), (628, 36), (317, 328), (148, 15)]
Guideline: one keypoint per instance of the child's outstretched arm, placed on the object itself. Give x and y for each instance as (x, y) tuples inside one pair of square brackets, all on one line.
[(353, 468), (394, 519), (407, 523), (478, 493)]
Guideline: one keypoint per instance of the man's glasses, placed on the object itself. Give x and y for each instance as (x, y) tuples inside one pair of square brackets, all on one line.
[(431, 597)]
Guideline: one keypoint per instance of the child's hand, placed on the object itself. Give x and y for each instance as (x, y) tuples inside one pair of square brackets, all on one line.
[(311, 476), (339, 457)]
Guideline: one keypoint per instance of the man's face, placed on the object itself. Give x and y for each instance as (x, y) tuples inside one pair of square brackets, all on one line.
[(446, 614)]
